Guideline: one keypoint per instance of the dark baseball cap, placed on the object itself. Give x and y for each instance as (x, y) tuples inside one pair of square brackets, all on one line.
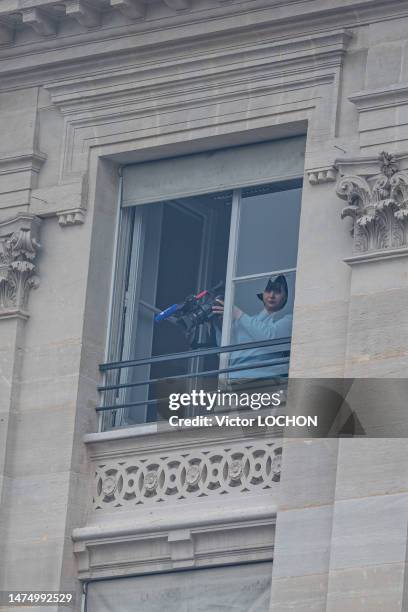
[(276, 283)]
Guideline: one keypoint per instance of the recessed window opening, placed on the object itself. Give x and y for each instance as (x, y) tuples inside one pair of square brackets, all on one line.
[(196, 273)]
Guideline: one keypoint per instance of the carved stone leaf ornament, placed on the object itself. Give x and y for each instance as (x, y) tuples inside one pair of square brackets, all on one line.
[(378, 207), (19, 245)]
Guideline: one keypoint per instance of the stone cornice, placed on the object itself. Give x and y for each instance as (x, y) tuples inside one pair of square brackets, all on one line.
[(367, 165), (393, 95), (123, 526), (18, 176), (152, 51), (150, 438), (22, 161), (176, 542), (206, 20), (110, 105), (297, 59), (290, 76), (377, 256), (380, 113)]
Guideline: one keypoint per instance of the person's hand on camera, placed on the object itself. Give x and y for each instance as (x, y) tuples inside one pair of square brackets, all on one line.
[(219, 309), (236, 313)]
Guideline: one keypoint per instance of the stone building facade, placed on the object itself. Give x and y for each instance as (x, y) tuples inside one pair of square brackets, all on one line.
[(88, 89)]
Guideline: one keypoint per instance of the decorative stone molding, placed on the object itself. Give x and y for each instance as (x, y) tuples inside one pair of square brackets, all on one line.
[(376, 256), (6, 34), (111, 105), (177, 499), (215, 537), (76, 216), (43, 15), (178, 5), (19, 176), (19, 244), (378, 207), (66, 201), (132, 9), (374, 99), (85, 14), (181, 545), (21, 161), (271, 13), (180, 476), (375, 107), (40, 22), (317, 176)]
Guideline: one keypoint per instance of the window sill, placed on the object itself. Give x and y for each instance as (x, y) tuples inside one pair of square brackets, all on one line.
[(144, 429)]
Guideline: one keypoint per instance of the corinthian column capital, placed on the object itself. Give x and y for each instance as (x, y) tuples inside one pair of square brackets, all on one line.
[(19, 245), (378, 206)]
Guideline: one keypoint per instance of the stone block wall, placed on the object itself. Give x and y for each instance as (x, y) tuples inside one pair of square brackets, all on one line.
[(84, 91)]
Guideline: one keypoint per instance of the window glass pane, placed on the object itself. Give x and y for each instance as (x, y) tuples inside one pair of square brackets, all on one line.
[(179, 248), (268, 230)]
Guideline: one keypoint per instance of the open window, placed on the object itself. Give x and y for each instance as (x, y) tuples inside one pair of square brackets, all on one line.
[(171, 248)]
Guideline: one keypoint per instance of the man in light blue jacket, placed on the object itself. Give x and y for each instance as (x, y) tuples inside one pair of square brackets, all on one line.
[(263, 326)]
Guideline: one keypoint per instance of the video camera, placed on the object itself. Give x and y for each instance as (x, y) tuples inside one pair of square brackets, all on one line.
[(196, 310)]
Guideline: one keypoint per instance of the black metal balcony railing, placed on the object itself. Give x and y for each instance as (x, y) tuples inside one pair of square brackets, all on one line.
[(280, 360)]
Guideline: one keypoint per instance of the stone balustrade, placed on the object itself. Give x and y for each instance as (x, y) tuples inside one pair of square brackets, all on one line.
[(190, 497)]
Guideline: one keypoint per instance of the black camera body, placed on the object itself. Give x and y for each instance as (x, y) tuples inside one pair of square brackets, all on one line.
[(196, 310)]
